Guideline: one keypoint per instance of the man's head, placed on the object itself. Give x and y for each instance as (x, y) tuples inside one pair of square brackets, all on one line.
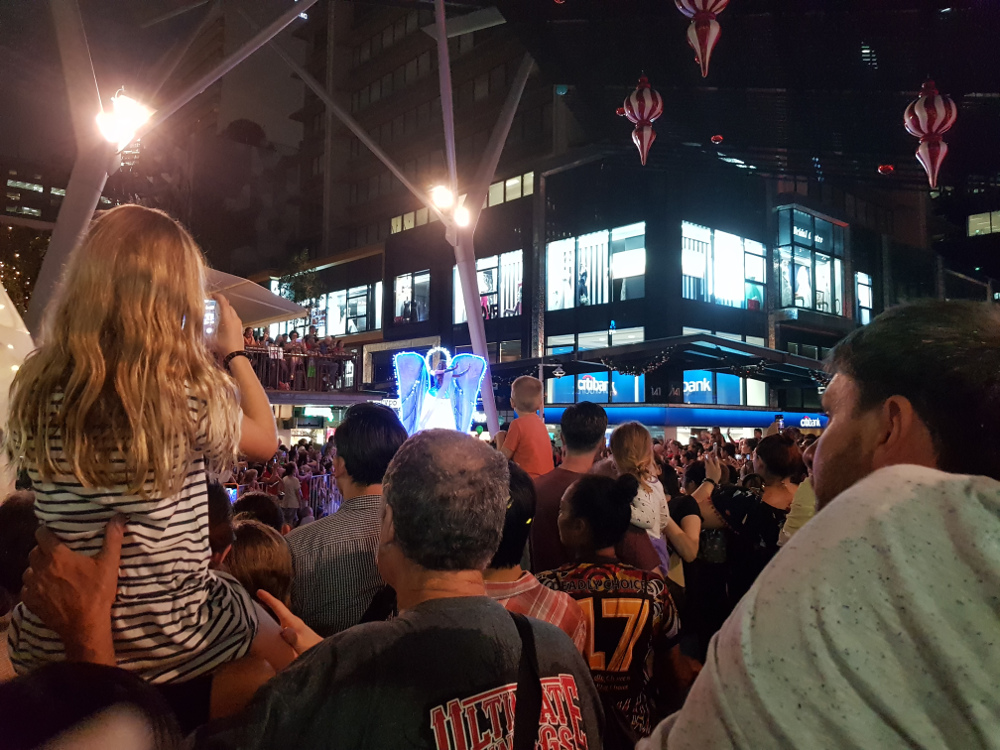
[(583, 428), (220, 522), (526, 395), (517, 523), (900, 390), (758, 433), (17, 539), (445, 498), (366, 441), (259, 506)]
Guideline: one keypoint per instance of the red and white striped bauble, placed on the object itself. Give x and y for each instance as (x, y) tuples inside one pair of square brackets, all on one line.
[(642, 107), (703, 32), (928, 117)]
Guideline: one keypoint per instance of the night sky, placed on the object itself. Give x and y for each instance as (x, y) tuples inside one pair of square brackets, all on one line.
[(34, 113)]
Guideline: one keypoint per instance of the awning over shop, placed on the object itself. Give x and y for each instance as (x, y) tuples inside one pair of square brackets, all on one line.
[(256, 305), (699, 351)]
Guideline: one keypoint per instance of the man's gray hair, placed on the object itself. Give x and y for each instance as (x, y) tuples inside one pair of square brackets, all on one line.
[(448, 493)]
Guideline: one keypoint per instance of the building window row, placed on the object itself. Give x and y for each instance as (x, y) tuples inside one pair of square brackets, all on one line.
[(25, 210), (21, 184), (339, 313), (500, 279), (414, 70), (984, 223), (385, 183), (401, 126), (519, 186), (581, 342), (387, 37), (412, 297), (810, 269), (723, 389), (503, 351), (722, 268), (596, 268)]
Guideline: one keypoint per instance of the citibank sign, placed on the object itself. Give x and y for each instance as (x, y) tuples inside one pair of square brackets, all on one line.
[(590, 384), (809, 422), (698, 386)]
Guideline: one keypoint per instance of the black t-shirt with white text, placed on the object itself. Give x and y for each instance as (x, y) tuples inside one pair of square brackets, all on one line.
[(440, 676)]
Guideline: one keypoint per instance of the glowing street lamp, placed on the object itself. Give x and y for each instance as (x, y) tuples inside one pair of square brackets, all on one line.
[(120, 125), (442, 197), (462, 216)]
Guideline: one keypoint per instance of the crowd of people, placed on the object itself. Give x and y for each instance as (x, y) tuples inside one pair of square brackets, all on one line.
[(780, 591)]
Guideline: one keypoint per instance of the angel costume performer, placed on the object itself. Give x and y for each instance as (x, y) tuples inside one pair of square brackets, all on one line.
[(438, 396)]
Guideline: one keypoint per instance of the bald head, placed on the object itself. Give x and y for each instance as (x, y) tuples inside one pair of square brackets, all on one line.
[(448, 493)]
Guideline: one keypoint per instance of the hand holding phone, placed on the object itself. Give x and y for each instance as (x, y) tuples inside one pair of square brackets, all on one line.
[(211, 321)]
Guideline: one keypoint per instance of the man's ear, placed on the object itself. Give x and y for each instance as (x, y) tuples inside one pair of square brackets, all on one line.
[(285, 529), (387, 530), (901, 436)]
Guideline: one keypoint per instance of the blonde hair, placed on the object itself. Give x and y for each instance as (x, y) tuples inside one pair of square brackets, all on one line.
[(123, 363), (260, 559), (632, 448), (526, 394)]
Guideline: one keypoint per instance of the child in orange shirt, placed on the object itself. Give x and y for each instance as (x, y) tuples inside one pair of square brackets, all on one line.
[(527, 442)]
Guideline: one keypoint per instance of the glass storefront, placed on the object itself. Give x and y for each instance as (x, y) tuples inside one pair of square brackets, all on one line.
[(809, 261), (500, 278)]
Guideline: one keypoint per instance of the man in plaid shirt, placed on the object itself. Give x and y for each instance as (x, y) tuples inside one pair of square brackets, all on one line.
[(517, 589), (334, 558)]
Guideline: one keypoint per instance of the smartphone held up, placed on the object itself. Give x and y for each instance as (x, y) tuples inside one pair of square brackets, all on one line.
[(211, 322)]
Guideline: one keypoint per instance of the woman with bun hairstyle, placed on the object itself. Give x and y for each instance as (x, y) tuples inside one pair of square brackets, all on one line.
[(594, 514)]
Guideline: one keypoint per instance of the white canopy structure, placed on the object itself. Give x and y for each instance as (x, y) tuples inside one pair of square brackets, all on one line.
[(256, 306), (15, 345)]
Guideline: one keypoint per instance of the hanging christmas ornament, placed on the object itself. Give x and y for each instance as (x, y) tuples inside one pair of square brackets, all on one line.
[(886, 169), (703, 32), (642, 107), (928, 117), (717, 139)]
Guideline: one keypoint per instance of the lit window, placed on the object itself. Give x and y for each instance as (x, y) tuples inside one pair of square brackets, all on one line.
[(561, 273), (528, 183), (378, 305), (510, 351), (499, 280), (565, 344), (628, 261), (337, 313), (397, 224), (412, 302), (57, 191), (105, 201), (421, 216), (513, 188), (722, 268), (409, 220), (33, 186), (495, 195), (13, 196), (863, 284), (978, 223)]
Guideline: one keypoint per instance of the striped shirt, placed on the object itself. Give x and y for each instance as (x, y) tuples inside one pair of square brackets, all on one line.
[(335, 572), (529, 597), (173, 619)]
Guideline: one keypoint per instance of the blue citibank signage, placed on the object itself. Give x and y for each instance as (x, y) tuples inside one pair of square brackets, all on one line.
[(685, 416)]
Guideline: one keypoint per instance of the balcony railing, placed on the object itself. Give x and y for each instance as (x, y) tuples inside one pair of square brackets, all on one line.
[(311, 372)]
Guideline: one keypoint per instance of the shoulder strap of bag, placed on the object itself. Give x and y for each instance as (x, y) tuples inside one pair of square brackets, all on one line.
[(528, 701)]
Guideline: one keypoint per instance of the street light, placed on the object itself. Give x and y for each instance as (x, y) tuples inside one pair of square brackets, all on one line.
[(442, 197), (119, 126), (462, 216)]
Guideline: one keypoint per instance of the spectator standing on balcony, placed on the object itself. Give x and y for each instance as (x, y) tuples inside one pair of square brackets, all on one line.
[(291, 500), (248, 337), (335, 572), (311, 339)]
